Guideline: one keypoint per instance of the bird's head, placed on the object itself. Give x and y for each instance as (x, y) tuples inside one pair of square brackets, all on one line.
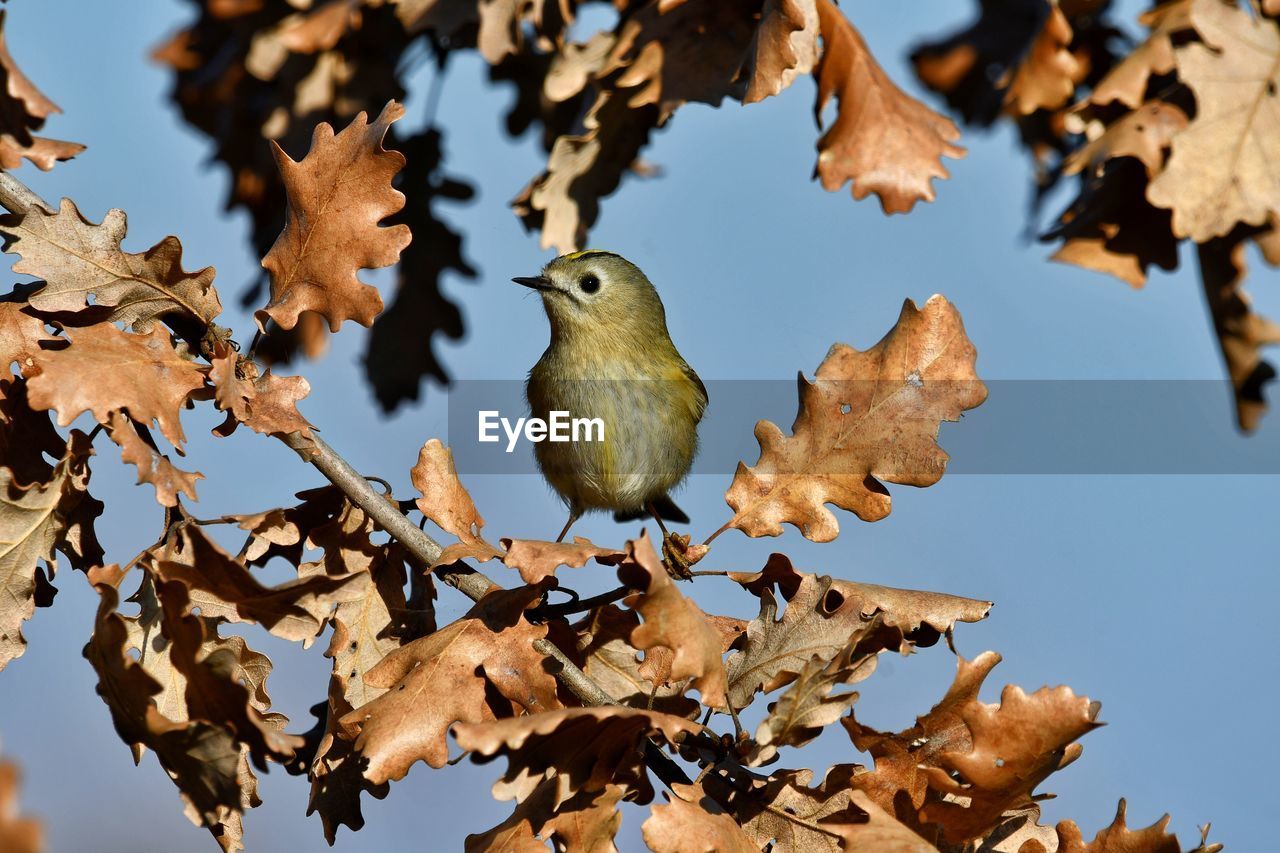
[(597, 295)]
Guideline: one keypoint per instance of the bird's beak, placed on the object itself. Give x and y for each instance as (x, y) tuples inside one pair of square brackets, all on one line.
[(537, 282)]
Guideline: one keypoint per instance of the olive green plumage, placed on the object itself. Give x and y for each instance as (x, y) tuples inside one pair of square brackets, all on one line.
[(611, 357)]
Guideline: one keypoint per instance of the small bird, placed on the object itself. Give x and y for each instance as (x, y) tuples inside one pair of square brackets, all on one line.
[(611, 358)]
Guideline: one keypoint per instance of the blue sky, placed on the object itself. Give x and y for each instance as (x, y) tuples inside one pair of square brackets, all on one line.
[(1150, 593)]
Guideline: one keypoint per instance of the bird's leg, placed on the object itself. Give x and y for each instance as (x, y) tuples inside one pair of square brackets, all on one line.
[(574, 515), (654, 512)]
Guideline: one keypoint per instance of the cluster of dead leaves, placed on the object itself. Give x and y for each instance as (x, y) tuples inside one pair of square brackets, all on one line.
[(1171, 141), (23, 109)]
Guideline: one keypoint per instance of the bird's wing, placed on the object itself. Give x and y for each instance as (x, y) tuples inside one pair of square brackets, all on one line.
[(703, 398)]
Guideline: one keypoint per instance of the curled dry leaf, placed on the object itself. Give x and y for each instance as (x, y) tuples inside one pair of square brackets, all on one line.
[(266, 404), (829, 618), (20, 334), (585, 822), (337, 195), (1126, 82), (17, 834), (1221, 169), (36, 521), (577, 749), (1015, 746), (1119, 837), (784, 811), (808, 705), (28, 439), (474, 670), (223, 588), (24, 108), (153, 467), (536, 560), (867, 416), (880, 832), (105, 370), (612, 662), (674, 622), (1047, 76), (447, 503), (1144, 134), (78, 260), (784, 47), (883, 140), (691, 822)]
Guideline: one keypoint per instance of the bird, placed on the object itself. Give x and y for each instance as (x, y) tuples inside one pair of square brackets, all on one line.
[(611, 357)]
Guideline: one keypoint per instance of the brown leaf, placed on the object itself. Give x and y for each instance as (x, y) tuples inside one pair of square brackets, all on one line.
[(901, 758), (1016, 745), (446, 677), (883, 140), (691, 822), (44, 153), (78, 260), (24, 108), (266, 404), (324, 513), (1046, 78), (335, 774), (673, 622), (867, 416), (28, 439), (20, 334), (1126, 82), (1118, 838), (613, 663), (36, 521), (190, 696), (337, 196), (17, 834), (1144, 133), (585, 822), (828, 618), (536, 560), (784, 811), (580, 749), (785, 46), (881, 832), (1242, 333), (807, 706), (1220, 169), (223, 587), (106, 370), (445, 501), (321, 28), (564, 201), (153, 467)]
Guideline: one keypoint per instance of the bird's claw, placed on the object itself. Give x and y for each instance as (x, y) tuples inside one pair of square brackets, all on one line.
[(678, 555)]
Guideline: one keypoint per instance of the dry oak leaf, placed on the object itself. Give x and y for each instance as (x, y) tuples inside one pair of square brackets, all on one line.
[(153, 467), (1046, 77), (17, 834), (882, 832), (203, 758), (585, 823), (674, 622), (448, 677), (784, 811), (337, 196), (901, 758), (223, 588), (1119, 838), (24, 108), (1127, 80), (335, 773), (867, 416), (883, 140), (28, 440), (578, 749), (20, 335), (1221, 167), (826, 617), (785, 46), (691, 822), (1143, 134), (1016, 745), (105, 370), (447, 503), (36, 521), (535, 559), (612, 662), (266, 404), (78, 260), (807, 706)]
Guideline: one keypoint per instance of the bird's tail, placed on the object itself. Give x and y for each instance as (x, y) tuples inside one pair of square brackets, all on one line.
[(666, 508)]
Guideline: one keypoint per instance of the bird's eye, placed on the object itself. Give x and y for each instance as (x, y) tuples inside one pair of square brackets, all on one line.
[(589, 284)]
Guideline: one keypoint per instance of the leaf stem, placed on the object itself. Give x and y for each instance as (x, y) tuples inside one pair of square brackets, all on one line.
[(544, 612)]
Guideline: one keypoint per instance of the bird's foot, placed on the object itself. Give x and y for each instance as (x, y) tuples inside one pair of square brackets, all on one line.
[(678, 555)]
